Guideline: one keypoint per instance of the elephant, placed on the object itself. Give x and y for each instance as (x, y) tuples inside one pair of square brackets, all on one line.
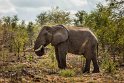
[(75, 40)]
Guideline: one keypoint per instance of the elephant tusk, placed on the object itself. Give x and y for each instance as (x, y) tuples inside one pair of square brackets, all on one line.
[(38, 48)]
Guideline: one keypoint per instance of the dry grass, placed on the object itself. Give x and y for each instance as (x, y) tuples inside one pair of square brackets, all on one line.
[(44, 70)]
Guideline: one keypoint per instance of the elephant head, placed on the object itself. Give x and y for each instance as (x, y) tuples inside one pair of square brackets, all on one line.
[(47, 35)]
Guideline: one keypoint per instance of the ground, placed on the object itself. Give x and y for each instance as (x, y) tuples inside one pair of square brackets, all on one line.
[(33, 69)]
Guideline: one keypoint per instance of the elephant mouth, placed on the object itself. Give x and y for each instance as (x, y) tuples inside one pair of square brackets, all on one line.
[(40, 52)]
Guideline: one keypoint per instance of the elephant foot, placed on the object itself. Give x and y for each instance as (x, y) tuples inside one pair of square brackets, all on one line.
[(86, 71), (62, 67), (96, 71)]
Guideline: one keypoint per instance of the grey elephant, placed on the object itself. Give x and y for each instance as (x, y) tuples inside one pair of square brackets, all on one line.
[(74, 40)]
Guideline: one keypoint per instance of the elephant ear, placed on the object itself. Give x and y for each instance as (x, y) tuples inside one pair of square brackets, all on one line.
[(60, 34)]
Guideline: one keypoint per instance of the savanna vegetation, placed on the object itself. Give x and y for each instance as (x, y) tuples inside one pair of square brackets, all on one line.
[(19, 64)]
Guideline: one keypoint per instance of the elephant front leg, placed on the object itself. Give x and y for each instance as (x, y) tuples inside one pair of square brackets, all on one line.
[(57, 57), (61, 58)]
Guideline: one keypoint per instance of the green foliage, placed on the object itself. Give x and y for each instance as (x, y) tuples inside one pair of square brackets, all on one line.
[(108, 64), (51, 53), (14, 34), (54, 16), (30, 32), (15, 67), (80, 18), (57, 16), (29, 57), (67, 73), (42, 18), (19, 39)]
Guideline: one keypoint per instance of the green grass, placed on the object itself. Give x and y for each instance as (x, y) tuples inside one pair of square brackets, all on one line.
[(29, 57), (67, 73)]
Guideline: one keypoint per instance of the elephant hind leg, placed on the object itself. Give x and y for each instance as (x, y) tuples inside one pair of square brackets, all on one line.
[(87, 66), (95, 64)]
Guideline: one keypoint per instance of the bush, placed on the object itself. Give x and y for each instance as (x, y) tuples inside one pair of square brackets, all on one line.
[(67, 73), (107, 63), (29, 57), (51, 53)]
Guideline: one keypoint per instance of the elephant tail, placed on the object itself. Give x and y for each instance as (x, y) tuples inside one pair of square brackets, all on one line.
[(97, 54), (97, 49)]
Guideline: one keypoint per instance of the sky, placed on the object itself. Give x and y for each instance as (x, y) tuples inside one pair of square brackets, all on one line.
[(28, 9)]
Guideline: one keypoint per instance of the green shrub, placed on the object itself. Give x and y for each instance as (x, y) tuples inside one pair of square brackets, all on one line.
[(29, 57), (107, 63), (67, 73), (51, 53)]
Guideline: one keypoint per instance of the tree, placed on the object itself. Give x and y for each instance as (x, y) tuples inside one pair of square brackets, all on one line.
[(14, 34), (54, 16), (14, 21), (57, 16), (30, 31), (42, 18), (20, 38), (80, 18)]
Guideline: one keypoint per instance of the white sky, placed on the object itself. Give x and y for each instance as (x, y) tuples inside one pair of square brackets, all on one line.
[(29, 9)]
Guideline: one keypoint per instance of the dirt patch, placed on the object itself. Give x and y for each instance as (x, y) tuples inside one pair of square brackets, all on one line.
[(43, 70)]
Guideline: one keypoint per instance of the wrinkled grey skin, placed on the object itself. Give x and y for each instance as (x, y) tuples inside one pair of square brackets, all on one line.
[(74, 40)]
